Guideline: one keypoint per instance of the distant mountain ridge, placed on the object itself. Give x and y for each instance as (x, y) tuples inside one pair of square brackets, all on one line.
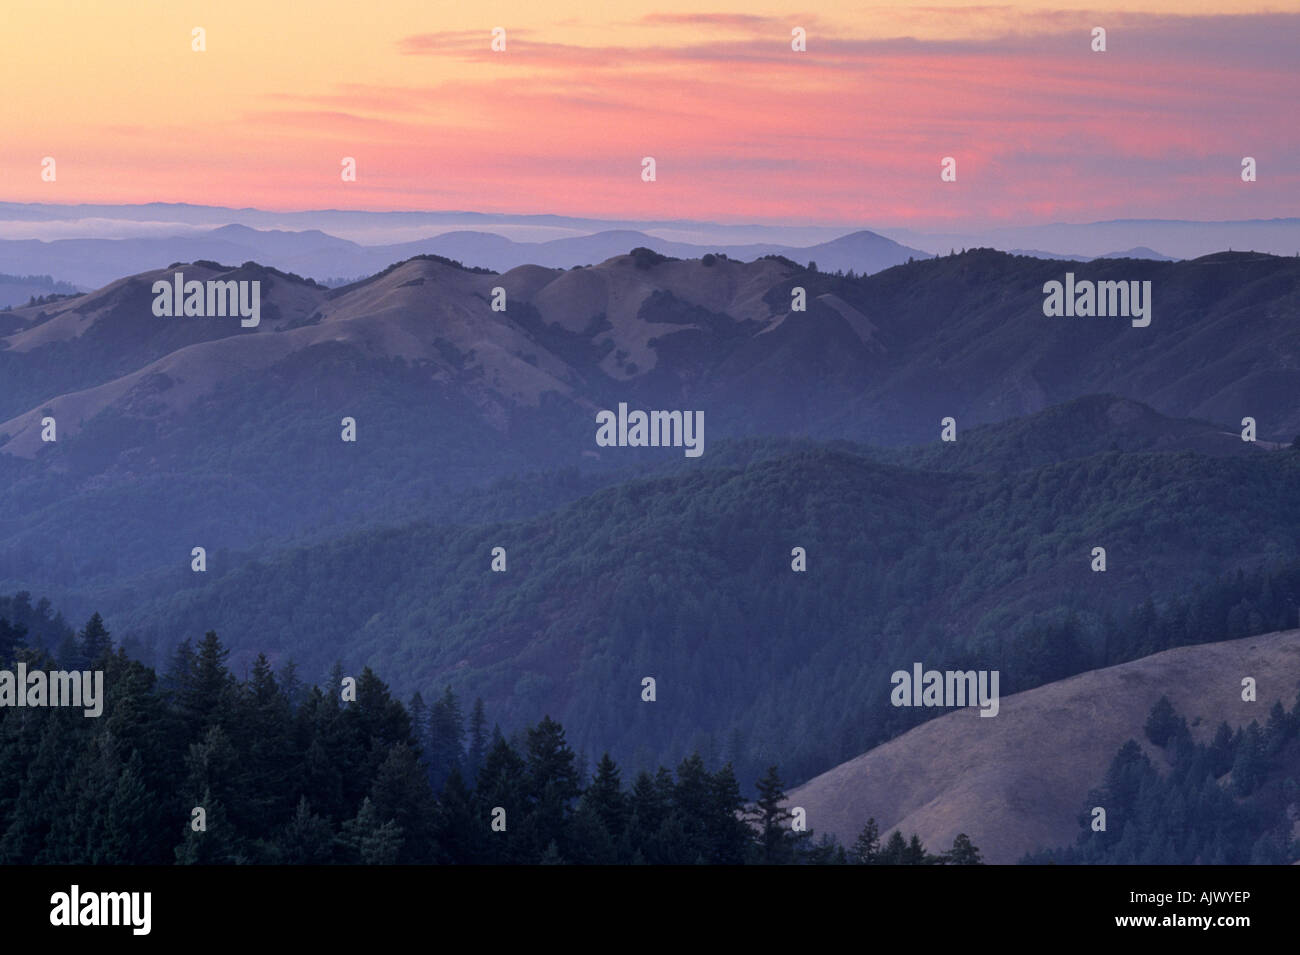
[(450, 394), (93, 262), (1189, 238)]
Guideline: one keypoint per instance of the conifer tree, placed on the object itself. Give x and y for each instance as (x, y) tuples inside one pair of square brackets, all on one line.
[(650, 801), (501, 783), (916, 854), (446, 747), (291, 685), (963, 852), (307, 839), (729, 836), (775, 842), (206, 692), (895, 850), (691, 805), (92, 643), (263, 735), (552, 782), (866, 850), (369, 839), (401, 793), (459, 833), (605, 798), (217, 844), (1248, 766), (588, 839), (1162, 723)]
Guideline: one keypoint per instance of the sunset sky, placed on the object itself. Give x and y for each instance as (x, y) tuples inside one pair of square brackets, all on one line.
[(743, 129)]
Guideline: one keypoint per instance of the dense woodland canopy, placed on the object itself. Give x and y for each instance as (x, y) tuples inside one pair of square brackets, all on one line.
[(287, 773), (966, 561), (687, 578)]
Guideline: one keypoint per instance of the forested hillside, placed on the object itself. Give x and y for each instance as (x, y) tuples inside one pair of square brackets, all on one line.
[(288, 773), (666, 578)]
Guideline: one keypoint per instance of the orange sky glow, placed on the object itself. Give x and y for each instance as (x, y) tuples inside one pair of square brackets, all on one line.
[(742, 128)]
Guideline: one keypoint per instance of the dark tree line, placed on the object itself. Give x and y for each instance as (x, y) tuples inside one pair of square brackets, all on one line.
[(1226, 802), (290, 773)]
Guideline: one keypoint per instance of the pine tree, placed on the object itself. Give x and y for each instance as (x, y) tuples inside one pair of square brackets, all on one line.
[(963, 852), (1278, 730), (369, 839), (458, 832), (446, 749), (866, 850), (291, 685), (307, 839), (826, 851), (895, 850), (263, 735), (1162, 723), (380, 720), (728, 834), (400, 792), (1248, 767), (501, 782), (318, 726), (93, 642), (552, 781), (206, 694), (605, 798), (691, 798), (916, 854), (651, 801), (130, 820), (1124, 777), (775, 843), (216, 844), (49, 757), (78, 833), (1221, 750), (589, 840)]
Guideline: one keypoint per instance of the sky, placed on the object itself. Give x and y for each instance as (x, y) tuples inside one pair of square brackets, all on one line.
[(742, 128)]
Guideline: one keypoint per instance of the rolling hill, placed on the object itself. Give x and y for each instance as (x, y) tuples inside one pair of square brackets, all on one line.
[(1017, 782)]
